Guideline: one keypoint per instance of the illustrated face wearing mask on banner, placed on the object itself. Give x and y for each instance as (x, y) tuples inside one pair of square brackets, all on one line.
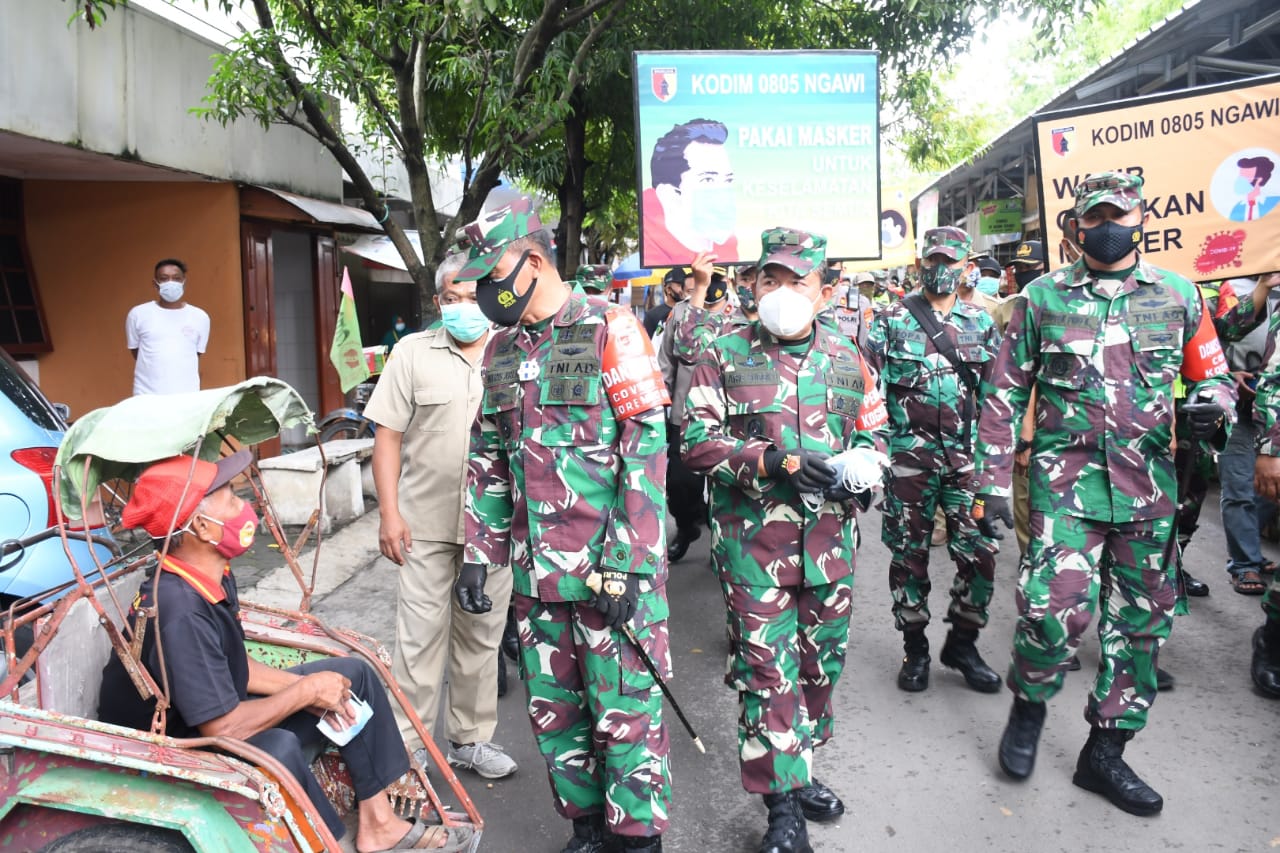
[(459, 311)]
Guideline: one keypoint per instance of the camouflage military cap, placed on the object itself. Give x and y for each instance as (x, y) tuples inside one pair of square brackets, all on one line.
[(1119, 188), (594, 277), (798, 251), (489, 236), (948, 241)]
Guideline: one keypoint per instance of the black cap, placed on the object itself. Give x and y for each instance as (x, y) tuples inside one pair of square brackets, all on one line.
[(717, 290), (675, 275), (1029, 252), (989, 264)]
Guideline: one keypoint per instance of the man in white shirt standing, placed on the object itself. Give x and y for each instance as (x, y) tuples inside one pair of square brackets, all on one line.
[(167, 336)]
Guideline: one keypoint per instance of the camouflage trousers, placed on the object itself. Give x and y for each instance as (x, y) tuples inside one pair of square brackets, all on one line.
[(786, 652), (910, 502), (1073, 567), (596, 711)]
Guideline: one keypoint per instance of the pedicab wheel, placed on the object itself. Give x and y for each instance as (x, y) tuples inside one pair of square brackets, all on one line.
[(346, 428), (117, 837)]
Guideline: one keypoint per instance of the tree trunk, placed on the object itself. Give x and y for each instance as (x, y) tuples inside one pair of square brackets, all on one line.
[(572, 190)]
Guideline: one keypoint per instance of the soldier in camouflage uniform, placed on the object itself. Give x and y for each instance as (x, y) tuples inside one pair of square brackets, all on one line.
[(565, 482), (1265, 664), (593, 279), (770, 403), (1102, 340), (932, 408)]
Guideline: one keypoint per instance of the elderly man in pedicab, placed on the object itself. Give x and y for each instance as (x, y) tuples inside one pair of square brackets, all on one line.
[(200, 525)]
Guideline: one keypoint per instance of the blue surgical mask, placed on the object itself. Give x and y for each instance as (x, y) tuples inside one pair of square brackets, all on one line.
[(1243, 186), (714, 211), (988, 285), (464, 321)]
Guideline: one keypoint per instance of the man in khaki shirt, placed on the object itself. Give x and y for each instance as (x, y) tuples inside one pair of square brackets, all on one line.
[(424, 405)]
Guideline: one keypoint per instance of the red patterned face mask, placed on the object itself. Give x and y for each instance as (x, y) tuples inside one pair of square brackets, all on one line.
[(237, 533)]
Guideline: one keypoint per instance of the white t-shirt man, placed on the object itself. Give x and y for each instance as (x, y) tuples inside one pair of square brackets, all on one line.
[(169, 342)]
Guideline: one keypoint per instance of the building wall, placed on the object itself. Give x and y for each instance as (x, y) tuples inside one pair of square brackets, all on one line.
[(126, 90), (93, 249)]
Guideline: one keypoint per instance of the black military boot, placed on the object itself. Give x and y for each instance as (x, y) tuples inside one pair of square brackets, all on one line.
[(1021, 738), (511, 636), (1101, 768), (818, 802), (685, 536), (1265, 667), (1164, 680), (914, 675), (1194, 586), (961, 652), (787, 831), (636, 844), (589, 836)]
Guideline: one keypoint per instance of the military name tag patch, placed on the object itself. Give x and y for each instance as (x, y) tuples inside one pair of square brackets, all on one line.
[(528, 370)]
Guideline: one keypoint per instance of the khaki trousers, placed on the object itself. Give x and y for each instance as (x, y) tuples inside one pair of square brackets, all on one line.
[(431, 629)]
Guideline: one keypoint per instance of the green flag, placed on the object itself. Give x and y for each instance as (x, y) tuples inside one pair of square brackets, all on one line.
[(347, 352)]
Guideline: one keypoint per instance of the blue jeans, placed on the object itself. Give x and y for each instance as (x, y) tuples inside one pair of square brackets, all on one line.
[(1244, 514)]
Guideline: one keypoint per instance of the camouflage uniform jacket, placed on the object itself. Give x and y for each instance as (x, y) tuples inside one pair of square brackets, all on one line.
[(923, 391), (558, 484), (1266, 406), (1104, 368), (749, 395), (689, 334)]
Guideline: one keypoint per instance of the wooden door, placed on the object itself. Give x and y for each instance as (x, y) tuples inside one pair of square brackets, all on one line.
[(328, 273)]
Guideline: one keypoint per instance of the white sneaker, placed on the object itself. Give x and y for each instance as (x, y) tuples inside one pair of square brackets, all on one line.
[(485, 758)]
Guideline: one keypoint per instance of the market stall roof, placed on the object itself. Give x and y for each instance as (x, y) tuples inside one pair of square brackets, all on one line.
[(1204, 42), (341, 216)]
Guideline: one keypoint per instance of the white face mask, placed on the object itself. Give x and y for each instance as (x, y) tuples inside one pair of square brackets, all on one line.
[(170, 291), (785, 312)]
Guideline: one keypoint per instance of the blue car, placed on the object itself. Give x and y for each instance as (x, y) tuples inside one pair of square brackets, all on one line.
[(32, 557)]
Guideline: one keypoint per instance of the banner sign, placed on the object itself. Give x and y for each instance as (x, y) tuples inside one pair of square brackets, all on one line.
[(1209, 158), (926, 213), (732, 143), (1000, 216), (897, 239)]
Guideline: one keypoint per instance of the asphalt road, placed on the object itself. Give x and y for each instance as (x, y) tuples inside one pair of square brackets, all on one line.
[(918, 772)]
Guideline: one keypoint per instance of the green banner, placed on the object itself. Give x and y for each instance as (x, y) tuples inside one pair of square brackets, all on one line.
[(1000, 216)]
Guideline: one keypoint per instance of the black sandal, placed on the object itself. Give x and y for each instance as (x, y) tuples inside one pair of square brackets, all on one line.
[(1248, 583)]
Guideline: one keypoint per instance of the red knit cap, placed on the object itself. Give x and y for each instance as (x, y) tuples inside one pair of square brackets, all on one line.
[(159, 489)]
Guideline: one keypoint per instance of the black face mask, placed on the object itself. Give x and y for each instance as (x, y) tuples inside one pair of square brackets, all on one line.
[(497, 296), (1110, 242), (1025, 277)]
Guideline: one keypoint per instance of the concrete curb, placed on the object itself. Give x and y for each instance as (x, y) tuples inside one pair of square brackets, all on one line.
[(343, 554)]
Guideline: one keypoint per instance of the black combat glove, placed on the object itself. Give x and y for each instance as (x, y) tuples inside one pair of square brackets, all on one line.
[(987, 508), (617, 597), (1204, 418), (469, 588), (806, 470)]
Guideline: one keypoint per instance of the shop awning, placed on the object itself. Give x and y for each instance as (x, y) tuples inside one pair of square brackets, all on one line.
[(340, 216), (379, 249)]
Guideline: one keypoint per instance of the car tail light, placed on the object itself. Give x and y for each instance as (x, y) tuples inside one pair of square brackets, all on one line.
[(39, 460)]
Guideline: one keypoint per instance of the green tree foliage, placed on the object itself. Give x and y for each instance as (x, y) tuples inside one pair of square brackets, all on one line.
[(541, 89)]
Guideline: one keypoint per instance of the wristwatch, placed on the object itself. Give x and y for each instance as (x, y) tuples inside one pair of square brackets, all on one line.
[(1022, 445)]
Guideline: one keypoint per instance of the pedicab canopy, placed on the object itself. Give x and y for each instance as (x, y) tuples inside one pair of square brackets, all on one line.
[(119, 441)]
